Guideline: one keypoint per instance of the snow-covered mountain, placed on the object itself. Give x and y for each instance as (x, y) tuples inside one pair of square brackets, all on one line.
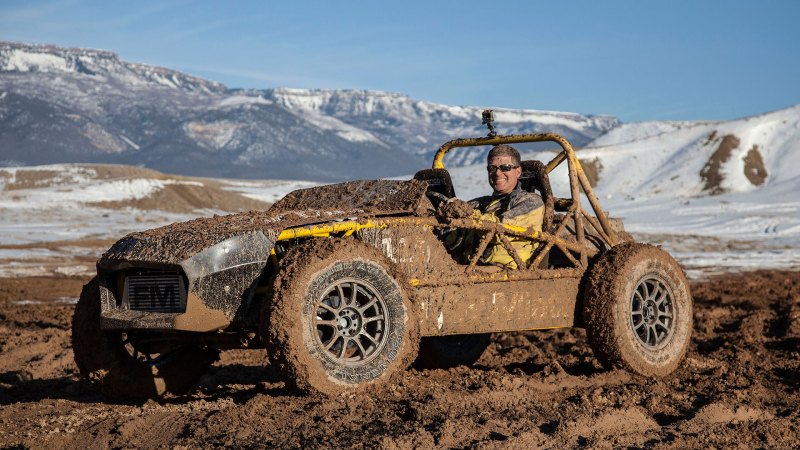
[(421, 127), (81, 105)]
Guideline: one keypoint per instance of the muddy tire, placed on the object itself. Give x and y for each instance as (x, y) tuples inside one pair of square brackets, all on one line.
[(444, 352), (339, 320), (638, 310), (107, 361)]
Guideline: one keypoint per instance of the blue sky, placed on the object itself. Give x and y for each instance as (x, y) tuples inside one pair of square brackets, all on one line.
[(637, 60)]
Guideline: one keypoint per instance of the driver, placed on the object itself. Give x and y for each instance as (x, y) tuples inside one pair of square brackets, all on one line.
[(508, 204)]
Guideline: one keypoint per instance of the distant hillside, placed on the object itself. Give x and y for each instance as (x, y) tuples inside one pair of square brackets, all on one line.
[(689, 159), (757, 156), (116, 187), (80, 105)]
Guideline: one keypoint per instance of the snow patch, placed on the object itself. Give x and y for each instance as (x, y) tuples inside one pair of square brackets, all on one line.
[(239, 100), (24, 61)]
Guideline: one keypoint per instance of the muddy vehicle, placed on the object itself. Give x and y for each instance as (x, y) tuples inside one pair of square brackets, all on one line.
[(347, 285)]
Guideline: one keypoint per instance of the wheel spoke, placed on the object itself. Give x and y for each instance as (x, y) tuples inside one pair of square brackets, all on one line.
[(367, 306), (353, 294), (370, 338), (373, 319), (333, 341), (655, 291), (360, 347), (327, 323), (328, 308), (340, 292), (664, 296), (342, 351)]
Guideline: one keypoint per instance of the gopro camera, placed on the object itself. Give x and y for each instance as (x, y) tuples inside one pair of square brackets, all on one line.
[(488, 120)]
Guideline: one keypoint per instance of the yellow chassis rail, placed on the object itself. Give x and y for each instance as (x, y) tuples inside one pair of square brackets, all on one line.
[(351, 226), (347, 228)]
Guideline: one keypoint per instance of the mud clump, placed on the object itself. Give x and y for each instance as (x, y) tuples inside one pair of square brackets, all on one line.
[(368, 197), (737, 388)]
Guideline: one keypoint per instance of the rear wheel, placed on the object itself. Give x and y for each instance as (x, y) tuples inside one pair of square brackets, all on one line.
[(339, 321), (638, 310), (444, 352), (130, 366)]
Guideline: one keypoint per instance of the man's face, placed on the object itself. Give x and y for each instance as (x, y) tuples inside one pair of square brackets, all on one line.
[(503, 182)]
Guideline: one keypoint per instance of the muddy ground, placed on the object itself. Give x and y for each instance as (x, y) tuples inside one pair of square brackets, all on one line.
[(736, 389)]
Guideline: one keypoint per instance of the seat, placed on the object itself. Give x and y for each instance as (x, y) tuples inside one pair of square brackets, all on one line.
[(534, 179), (438, 180)]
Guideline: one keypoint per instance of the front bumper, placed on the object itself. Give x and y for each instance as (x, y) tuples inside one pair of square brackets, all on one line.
[(216, 288)]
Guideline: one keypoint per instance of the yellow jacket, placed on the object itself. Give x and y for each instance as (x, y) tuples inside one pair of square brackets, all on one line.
[(520, 208)]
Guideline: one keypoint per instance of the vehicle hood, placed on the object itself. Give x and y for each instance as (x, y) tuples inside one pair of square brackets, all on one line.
[(175, 243)]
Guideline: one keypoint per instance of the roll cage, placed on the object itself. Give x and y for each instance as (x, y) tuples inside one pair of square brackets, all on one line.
[(571, 207)]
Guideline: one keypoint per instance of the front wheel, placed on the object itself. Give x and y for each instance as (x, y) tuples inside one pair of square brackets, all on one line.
[(130, 366), (339, 320), (638, 310)]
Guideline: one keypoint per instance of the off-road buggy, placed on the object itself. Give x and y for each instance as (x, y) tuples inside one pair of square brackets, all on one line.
[(347, 285)]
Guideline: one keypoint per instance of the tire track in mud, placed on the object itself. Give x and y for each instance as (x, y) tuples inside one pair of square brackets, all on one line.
[(737, 387)]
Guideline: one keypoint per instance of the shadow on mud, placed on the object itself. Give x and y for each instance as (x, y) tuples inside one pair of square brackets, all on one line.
[(240, 383), (24, 389), (236, 382)]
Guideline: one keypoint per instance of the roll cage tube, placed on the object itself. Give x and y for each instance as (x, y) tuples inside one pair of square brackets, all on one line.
[(577, 178)]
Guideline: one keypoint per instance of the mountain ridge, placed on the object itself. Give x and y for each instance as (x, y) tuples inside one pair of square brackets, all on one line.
[(85, 105)]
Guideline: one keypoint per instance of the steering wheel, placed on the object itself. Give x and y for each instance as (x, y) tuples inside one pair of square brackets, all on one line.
[(452, 238), (437, 198)]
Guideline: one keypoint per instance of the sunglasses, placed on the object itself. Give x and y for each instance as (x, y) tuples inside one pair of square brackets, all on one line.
[(503, 168)]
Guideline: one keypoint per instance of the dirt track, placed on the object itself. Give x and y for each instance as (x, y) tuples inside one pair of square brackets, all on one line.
[(737, 388)]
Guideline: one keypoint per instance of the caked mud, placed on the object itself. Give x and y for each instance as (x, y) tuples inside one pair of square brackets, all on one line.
[(736, 388), (173, 243)]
